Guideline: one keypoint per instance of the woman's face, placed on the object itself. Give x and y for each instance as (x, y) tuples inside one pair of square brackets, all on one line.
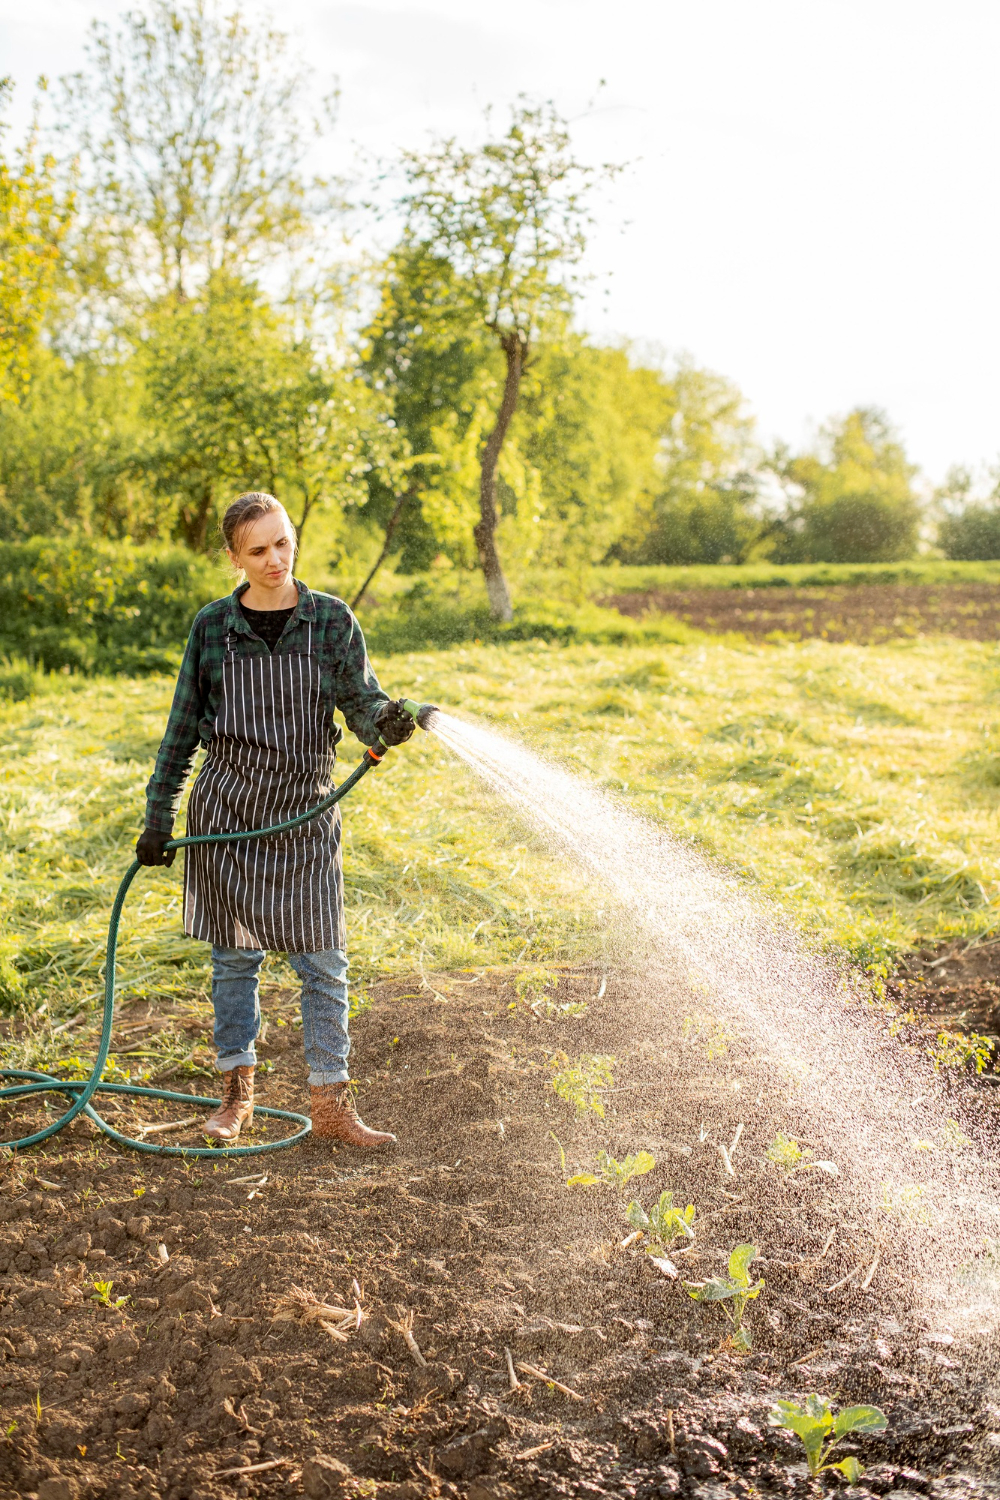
[(266, 551)]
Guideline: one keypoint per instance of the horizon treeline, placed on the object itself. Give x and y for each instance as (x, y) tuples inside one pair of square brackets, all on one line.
[(185, 313)]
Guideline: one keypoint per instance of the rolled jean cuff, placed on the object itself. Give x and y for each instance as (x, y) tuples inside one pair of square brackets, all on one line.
[(246, 1059), (318, 1080)]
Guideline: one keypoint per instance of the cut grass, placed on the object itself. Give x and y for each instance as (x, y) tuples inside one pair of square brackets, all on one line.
[(848, 782)]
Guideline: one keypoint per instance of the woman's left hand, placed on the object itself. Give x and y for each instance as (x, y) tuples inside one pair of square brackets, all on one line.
[(393, 723)]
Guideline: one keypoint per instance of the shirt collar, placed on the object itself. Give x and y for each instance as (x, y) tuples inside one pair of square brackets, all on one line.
[(305, 609)]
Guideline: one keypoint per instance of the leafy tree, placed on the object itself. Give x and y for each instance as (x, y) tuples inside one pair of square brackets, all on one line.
[(34, 217), (186, 120), (700, 506), (67, 452), (970, 527), (236, 399), (852, 500), (490, 241)]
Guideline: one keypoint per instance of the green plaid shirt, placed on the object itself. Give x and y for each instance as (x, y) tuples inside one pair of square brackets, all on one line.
[(347, 682)]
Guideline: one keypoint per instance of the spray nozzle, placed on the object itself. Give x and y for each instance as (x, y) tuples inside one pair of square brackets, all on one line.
[(421, 712)]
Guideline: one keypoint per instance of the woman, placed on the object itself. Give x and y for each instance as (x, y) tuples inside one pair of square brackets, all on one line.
[(263, 671)]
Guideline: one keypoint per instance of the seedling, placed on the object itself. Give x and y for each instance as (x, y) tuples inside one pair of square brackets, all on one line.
[(102, 1295), (785, 1152), (610, 1173), (581, 1083), (663, 1224), (530, 989), (713, 1036), (815, 1423), (956, 1050), (735, 1288)]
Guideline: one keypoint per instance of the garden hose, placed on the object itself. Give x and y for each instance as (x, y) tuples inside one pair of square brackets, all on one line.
[(81, 1090)]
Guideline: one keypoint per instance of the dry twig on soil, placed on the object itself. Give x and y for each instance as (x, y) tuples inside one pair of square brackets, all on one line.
[(301, 1306), (549, 1380)]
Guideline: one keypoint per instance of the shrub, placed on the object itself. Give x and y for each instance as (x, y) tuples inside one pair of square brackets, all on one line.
[(973, 535), (90, 606)]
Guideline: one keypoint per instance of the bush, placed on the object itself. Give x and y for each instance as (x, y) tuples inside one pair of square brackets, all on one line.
[(419, 625), (973, 535), (90, 606)]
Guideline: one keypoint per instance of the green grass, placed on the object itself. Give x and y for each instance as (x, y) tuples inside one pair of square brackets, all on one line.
[(858, 785)]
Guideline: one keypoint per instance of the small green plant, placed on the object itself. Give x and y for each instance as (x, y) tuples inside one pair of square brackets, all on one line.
[(663, 1224), (906, 1203), (12, 1428), (710, 1033), (582, 1082), (102, 1295), (956, 1050), (610, 1173), (821, 1431), (785, 1152), (530, 989), (736, 1288)]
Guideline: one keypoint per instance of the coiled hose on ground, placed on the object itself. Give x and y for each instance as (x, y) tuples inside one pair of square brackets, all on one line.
[(82, 1090)]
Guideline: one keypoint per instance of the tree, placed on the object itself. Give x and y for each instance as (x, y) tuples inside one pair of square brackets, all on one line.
[(186, 124), (701, 503), (970, 527), (852, 500), (34, 217), (236, 398), (490, 241)]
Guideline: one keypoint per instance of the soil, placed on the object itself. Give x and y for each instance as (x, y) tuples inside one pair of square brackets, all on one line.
[(865, 613), (467, 1239)]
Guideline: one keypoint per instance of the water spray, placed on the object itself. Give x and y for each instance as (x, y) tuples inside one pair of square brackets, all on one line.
[(81, 1090)]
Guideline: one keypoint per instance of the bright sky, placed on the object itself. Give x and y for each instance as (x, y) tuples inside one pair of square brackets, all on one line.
[(813, 206)]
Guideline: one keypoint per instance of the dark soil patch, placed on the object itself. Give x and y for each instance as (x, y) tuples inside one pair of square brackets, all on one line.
[(469, 1231), (863, 613), (954, 987)]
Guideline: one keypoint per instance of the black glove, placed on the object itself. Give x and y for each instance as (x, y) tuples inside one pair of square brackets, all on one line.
[(393, 723), (150, 851)]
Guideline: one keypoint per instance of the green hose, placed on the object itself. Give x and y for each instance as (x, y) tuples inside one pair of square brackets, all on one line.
[(82, 1090)]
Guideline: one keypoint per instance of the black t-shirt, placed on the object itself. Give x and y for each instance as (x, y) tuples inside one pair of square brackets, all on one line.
[(267, 623)]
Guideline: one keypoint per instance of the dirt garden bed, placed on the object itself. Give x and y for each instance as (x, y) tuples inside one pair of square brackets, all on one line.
[(865, 613), (463, 1244)]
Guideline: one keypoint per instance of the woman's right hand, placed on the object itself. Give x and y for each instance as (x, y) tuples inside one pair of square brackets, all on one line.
[(150, 851)]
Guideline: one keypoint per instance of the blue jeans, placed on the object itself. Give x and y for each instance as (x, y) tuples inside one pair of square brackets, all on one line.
[(236, 999)]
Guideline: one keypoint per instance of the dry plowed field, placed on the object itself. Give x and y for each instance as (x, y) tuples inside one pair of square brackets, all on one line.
[(461, 1245), (863, 613)]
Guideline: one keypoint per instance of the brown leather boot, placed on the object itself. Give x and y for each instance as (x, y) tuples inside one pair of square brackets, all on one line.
[(236, 1109), (335, 1117)]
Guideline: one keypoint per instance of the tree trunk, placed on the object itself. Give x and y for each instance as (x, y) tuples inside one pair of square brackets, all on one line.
[(194, 519), (390, 531), (515, 350)]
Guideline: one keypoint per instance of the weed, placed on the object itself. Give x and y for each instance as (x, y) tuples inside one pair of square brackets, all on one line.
[(12, 1429), (710, 1033), (815, 1424), (735, 1288), (786, 1152), (956, 1050), (530, 988), (582, 1082), (663, 1224), (102, 1295), (906, 1203)]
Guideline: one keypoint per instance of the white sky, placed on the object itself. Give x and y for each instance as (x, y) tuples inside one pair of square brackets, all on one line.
[(812, 208)]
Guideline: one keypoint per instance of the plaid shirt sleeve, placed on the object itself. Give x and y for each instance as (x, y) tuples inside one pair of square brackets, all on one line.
[(180, 740), (359, 696)]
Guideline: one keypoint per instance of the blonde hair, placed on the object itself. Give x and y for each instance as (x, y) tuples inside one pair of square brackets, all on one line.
[(246, 509)]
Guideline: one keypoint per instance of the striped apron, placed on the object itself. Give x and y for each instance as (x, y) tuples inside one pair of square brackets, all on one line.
[(270, 758)]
